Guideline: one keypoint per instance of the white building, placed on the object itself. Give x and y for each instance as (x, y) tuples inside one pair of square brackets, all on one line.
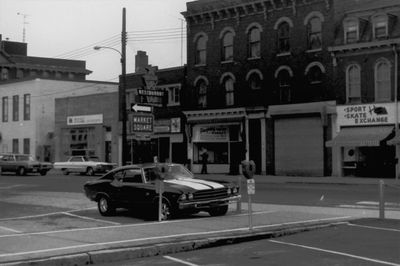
[(27, 112)]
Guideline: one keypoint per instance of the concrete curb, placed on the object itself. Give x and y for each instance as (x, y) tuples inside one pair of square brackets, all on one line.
[(175, 246)]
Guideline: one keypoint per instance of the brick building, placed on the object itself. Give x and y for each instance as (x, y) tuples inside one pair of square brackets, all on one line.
[(258, 81), (365, 73)]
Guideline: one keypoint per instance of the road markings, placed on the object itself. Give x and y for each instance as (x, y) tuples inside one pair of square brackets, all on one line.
[(180, 261), (374, 227), (243, 229), (88, 218), (9, 229), (42, 215), (335, 252)]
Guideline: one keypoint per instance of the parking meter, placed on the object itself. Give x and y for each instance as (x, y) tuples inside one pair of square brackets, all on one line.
[(248, 169)]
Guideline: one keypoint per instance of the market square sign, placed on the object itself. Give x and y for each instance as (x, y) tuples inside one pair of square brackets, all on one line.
[(366, 114)]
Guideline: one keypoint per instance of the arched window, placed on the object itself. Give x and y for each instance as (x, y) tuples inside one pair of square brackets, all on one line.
[(227, 46), (254, 42), (284, 37), (201, 50), (284, 86), (229, 91), (314, 29), (254, 81), (201, 88), (382, 81), (353, 84)]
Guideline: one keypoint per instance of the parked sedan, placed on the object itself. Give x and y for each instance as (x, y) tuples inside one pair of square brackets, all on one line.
[(89, 165), (134, 187), (21, 164)]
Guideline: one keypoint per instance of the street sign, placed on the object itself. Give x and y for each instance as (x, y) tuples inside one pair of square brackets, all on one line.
[(141, 108), (151, 97), (141, 122)]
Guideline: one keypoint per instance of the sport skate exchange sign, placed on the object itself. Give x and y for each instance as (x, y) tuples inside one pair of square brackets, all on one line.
[(366, 114)]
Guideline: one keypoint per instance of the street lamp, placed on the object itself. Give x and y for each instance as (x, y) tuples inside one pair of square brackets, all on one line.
[(122, 100)]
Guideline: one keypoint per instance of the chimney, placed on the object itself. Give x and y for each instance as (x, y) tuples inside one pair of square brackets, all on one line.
[(141, 62)]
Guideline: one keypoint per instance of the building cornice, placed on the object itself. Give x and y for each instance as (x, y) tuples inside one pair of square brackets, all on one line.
[(363, 46)]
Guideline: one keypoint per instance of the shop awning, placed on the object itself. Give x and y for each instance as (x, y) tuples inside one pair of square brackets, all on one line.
[(361, 136)]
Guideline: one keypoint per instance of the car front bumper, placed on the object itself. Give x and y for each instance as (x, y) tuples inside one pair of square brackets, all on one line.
[(207, 204)]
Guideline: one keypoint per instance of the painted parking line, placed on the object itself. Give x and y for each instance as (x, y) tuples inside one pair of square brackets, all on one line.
[(90, 219), (42, 215), (336, 252), (180, 261), (9, 229), (375, 228)]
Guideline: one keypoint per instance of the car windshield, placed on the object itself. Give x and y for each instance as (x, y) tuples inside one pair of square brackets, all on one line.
[(168, 172), (24, 158)]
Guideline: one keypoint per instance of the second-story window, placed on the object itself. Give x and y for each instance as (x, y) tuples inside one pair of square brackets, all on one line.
[(27, 106), (227, 46), (353, 84), (284, 37), (382, 81), (285, 92), (314, 29), (5, 109), (173, 95), (15, 108), (254, 43), (201, 88), (201, 50), (229, 91)]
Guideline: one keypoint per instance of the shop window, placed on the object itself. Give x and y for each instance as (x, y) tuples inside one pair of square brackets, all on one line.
[(5, 109), (15, 108), (4, 74), (20, 73), (201, 50), (227, 46), (284, 37), (217, 152), (254, 43), (314, 30), (27, 107), (15, 146), (353, 83), (27, 144), (382, 81)]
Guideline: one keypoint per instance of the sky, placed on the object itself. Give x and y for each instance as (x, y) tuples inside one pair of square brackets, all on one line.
[(71, 28)]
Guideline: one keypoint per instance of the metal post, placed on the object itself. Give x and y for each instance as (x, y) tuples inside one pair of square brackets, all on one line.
[(239, 202), (381, 199), (396, 115), (250, 213), (123, 87)]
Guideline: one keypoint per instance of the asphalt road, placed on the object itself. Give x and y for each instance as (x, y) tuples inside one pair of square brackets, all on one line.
[(361, 242)]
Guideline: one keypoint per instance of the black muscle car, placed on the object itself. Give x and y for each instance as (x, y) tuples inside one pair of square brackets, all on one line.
[(134, 187)]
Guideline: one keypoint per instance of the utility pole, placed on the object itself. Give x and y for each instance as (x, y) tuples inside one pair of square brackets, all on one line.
[(24, 23), (122, 92)]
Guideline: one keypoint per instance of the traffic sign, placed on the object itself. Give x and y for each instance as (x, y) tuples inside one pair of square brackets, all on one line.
[(140, 108), (251, 187), (140, 122)]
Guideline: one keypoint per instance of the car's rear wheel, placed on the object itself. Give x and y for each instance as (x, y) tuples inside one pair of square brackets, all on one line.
[(218, 211), (65, 171), (90, 171), (21, 171), (105, 206)]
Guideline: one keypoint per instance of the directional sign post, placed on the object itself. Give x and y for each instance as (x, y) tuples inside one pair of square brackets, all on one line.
[(141, 108)]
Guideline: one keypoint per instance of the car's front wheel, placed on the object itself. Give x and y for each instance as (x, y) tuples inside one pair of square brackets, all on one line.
[(65, 171), (105, 206), (218, 211)]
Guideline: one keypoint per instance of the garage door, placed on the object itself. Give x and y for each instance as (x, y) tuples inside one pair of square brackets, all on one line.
[(299, 146)]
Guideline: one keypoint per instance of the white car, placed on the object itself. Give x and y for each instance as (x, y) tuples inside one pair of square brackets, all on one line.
[(88, 165)]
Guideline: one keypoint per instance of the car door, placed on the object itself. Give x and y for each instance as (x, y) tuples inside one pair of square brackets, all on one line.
[(133, 190), (76, 164), (6, 162)]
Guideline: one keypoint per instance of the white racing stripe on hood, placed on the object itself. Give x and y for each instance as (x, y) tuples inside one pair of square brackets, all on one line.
[(213, 185), (188, 183)]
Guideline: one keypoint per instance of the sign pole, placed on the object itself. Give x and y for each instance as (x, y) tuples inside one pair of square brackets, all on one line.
[(250, 213)]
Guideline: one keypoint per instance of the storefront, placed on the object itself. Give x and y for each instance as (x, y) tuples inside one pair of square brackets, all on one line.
[(300, 131), (220, 133), (360, 143)]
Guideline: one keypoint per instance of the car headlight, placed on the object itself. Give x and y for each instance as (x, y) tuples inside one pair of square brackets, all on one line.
[(190, 196), (235, 190), (229, 191), (183, 197)]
